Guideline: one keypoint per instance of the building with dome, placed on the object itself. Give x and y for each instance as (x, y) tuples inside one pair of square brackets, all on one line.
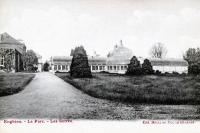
[(117, 62)]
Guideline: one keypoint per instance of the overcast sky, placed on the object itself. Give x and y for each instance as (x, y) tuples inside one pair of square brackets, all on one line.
[(53, 27)]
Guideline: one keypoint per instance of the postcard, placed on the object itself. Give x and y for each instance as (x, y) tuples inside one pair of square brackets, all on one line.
[(99, 66)]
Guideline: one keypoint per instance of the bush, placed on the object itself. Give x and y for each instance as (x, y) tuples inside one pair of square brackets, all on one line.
[(134, 68), (46, 66), (79, 67), (194, 69), (147, 67), (158, 72), (175, 73)]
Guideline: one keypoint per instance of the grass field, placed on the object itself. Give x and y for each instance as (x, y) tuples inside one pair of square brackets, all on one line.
[(11, 83), (139, 89)]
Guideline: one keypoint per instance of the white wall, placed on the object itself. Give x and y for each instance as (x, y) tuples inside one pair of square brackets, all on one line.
[(170, 69)]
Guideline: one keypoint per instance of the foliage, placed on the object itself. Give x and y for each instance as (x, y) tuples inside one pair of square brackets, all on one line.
[(194, 69), (134, 68), (46, 67), (79, 67), (7, 54), (158, 72), (158, 50), (147, 67), (192, 56), (30, 60)]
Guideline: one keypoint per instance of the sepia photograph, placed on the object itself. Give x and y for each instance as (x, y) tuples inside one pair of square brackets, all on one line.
[(100, 62)]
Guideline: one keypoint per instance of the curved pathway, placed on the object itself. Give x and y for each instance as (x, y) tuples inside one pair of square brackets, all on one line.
[(48, 96)]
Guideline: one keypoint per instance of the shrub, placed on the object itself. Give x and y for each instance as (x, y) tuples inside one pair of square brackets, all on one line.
[(46, 66), (175, 73), (194, 69), (134, 68), (147, 67), (79, 67), (158, 72)]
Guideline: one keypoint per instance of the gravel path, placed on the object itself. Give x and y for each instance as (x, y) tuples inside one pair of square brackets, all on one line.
[(48, 96)]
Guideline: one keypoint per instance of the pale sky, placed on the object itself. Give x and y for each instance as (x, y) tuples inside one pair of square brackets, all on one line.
[(54, 27)]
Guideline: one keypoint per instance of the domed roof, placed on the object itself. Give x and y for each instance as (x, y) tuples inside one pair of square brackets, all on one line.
[(119, 55)]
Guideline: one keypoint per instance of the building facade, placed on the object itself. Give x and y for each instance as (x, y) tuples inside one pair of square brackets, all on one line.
[(11, 51), (117, 62)]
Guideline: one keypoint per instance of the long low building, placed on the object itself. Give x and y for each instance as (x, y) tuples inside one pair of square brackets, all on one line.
[(117, 62)]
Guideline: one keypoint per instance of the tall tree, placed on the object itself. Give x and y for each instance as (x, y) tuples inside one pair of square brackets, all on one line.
[(158, 50), (79, 67), (192, 56), (147, 67), (46, 66), (30, 60), (134, 68)]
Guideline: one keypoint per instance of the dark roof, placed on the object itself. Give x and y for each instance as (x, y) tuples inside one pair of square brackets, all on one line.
[(6, 38), (61, 58), (8, 41), (168, 62)]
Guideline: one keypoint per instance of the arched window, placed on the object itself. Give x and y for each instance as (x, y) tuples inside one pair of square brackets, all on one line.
[(55, 67)]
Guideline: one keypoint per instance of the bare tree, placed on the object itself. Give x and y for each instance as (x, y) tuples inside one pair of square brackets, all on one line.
[(158, 50)]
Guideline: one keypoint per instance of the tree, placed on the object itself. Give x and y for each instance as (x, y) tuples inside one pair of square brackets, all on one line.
[(147, 67), (79, 67), (134, 68), (30, 60), (192, 56), (46, 66), (158, 50)]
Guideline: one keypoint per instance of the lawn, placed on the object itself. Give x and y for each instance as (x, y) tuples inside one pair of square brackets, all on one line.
[(150, 89), (11, 83)]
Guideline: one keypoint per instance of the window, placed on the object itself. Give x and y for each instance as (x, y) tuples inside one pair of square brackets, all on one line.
[(122, 67), (96, 67), (114, 67), (117, 67), (100, 67), (110, 67), (66, 67), (103, 67), (55, 67), (63, 67), (59, 67), (93, 67)]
